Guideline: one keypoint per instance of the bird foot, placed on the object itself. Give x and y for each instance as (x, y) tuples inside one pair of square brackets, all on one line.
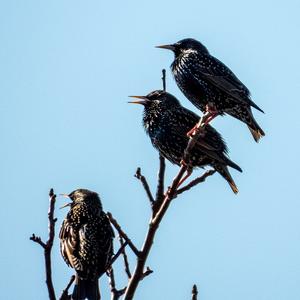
[(193, 131), (211, 113)]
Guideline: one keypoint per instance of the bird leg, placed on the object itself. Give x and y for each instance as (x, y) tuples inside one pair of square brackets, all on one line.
[(209, 115), (188, 173)]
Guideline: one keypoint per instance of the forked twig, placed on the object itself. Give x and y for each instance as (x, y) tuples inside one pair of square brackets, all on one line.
[(48, 245)]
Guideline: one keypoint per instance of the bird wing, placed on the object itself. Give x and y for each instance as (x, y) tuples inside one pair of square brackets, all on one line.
[(215, 72), (171, 139), (69, 243), (211, 141)]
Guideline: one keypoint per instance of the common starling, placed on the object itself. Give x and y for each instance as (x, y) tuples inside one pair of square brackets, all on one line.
[(86, 242), (210, 85), (167, 122)]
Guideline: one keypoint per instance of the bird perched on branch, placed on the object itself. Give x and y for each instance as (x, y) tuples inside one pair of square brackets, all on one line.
[(86, 242), (210, 85), (167, 122)]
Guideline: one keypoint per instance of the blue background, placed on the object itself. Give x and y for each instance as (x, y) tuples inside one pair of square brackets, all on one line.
[(66, 69)]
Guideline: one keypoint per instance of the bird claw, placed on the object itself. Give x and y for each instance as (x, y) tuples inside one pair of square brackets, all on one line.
[(192, 132), (183, 163)]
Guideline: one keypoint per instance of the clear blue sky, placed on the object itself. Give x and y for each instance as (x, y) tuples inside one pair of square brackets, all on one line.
[(66, 69)]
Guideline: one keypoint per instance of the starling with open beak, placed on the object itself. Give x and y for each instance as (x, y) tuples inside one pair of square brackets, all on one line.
[(167, 122), (86, 242)]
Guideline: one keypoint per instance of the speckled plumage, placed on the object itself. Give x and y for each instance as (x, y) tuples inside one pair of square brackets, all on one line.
[(86, 242), (167, 122), (205, 80)]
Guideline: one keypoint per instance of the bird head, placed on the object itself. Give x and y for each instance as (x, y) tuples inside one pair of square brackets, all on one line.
[(156, 100), (184, 46), (156, 104), (83, 196)]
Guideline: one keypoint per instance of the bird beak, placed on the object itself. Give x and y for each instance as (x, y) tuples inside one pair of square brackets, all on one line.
[(169, 47), (67, 204), (64, 195), (143, 100)]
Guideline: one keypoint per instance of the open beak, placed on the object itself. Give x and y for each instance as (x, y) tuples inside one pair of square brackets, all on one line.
[(64, 195), (67, 204), (169, 47), (143, 100)]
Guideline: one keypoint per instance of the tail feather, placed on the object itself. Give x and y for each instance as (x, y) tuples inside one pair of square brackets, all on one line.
[(256, 132), (85, 289), (254, 128), (233, 165), (223, 171)]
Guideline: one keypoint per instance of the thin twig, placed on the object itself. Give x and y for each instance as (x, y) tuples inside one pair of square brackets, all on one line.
[(123, 234), (119, 252), (194, 292), (65, 295), (112, 284), (115, 294), (160, 184), (37, 239), (164, 79), (145, 184), (125, 259), (196, 181), (48, 245), (146, 273)]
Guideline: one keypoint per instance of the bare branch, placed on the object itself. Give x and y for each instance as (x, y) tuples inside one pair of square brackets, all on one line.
[(119, 252), (65, 295), (48, 245), (112, 284), (115, 294), (146, 273), (153, 226), (38, 240), (145, 184), (123, 234), (194, 292), (160, 183), (164, 79), (125, 259), (196, 181)]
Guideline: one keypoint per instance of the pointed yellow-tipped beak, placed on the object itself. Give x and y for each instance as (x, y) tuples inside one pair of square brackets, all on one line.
[(143, 100), (169, 47)]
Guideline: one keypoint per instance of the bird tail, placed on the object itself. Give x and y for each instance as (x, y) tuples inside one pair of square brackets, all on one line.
[(254, 128), (256, 132), (224, 172), (86, 289)]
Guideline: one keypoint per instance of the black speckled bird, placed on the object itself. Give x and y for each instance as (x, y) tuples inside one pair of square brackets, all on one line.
[(167, 122), (86, 242), (210, 85)]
